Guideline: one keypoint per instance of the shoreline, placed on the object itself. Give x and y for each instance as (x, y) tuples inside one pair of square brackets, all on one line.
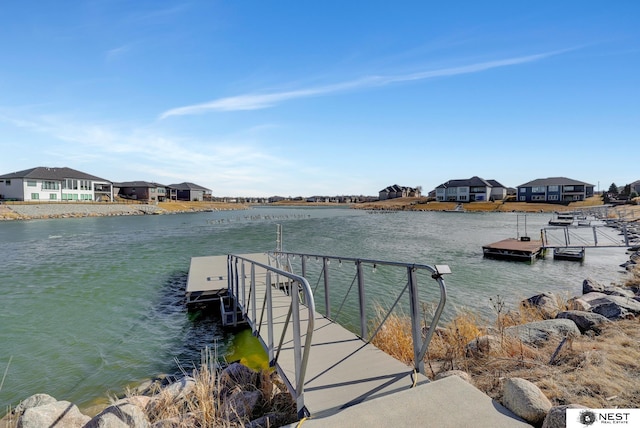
[(54, 210)]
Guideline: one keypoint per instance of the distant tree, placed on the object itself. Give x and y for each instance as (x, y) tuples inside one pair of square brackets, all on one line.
[(627, 189), (613, 189)]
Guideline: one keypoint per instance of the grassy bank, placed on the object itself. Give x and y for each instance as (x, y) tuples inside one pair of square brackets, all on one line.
[(423, 204), (596, 371)]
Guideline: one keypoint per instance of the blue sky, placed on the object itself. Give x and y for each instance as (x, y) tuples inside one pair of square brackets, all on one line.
[(297, 98)]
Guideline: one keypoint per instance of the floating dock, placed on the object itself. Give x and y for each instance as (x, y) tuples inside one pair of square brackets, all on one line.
[(522, 249), (207, 281)]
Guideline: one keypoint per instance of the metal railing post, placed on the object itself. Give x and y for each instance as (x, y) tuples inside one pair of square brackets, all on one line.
[(297, 350), (253, 296), (244, 286), (325, 268), (269, 319), (416, 332), (361, 300)]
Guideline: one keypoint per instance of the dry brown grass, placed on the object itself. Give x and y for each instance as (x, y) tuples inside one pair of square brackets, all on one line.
[(423, 204), (595, 371), (204, 405), (181, 206)]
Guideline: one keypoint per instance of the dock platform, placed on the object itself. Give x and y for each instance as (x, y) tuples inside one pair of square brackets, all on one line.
[(514, 249), (208, 278)]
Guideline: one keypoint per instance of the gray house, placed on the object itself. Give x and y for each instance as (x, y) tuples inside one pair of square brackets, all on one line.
[(554, 190), (141, 191), (470, 190), (188, 192)]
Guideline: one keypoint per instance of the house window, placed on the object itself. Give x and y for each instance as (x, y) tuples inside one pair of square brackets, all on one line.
[(523, 198), (35, 196), (463, 197), (568, 188), (71, 183), (522, 190), (53, 196), (50, 185), (553, 188), (85, 185), (31, 183), (8, 182), (537, 197), (553, 197), (538, 189)]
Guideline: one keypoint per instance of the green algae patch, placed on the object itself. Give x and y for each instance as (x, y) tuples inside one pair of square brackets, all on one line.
[(247, 349)]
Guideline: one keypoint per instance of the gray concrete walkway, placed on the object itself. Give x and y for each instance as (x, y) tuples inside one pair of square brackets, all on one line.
[(447, 403)]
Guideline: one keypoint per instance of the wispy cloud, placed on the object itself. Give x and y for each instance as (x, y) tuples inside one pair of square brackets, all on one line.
[(266, 100), (115, 53)]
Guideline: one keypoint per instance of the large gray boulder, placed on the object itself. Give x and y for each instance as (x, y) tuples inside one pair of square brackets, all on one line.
[(612, 307), (61, 414), (241, 405), (461, 374), (557, 416), (525, 400), (235, 376), (585, 321), (546, 303), (538, 332), (483, 346), (590, 286), (122, 415), (33, 401)]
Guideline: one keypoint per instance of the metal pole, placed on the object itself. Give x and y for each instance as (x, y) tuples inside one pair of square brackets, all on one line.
[(362, 301), (269, 319), (253, 296), (416, 332), (325, 268)]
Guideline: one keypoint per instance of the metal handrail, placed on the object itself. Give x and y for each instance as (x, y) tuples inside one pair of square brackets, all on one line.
[(420, 345), (247, 302)]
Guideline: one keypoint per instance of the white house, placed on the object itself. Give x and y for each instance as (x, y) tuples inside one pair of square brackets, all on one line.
[(54, 184)]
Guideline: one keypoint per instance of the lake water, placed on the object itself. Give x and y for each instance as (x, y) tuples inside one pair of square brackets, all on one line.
[(90, 305)]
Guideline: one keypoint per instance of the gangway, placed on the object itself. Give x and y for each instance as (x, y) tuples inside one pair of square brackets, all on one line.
[(329, 364), (326, 366)]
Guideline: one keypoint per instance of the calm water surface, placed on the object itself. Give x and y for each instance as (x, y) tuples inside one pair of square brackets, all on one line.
[(90, 305)]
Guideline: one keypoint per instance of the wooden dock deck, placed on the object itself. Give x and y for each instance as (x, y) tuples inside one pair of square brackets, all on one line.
[(514, 249)]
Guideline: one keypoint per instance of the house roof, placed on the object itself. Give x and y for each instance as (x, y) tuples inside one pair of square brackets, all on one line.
[(146, 184), (53, 173), (396, 188), (188, 186), (468, 182), (555, 181), (495, 183)]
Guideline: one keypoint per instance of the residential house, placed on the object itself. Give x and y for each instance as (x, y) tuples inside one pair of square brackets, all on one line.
[(141, 191), (635, 187), (54, 184), (470, 190), (396, 191), (555, 190), (188, 192)]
